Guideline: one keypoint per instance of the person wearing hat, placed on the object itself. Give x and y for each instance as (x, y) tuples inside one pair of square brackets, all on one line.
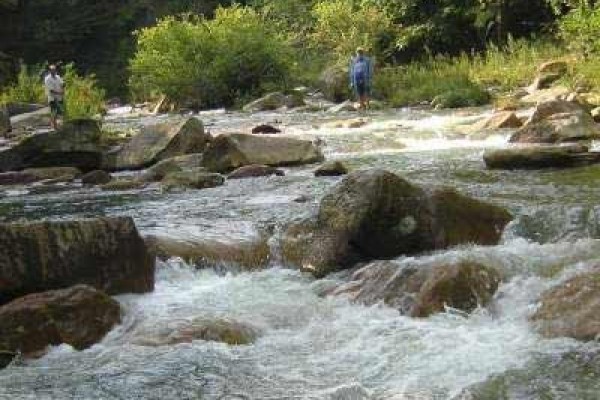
[(55, 90), (361, 72)]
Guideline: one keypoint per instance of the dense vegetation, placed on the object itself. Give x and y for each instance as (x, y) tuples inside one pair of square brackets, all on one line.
[(211, 53)]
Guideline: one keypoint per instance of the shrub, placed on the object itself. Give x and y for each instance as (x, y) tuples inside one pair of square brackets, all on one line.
[(210, 62), (27, 89), (343, 25), (83, 98), (581, 29)]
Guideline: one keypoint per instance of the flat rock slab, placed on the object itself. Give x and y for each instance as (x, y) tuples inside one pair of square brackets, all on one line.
[(540, 157)]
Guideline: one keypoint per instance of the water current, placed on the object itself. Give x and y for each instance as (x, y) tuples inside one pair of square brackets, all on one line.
[(308, 346)]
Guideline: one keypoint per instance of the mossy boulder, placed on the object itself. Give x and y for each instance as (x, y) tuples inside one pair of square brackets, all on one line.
[(375, 214), (230, 151), (539, 157), (76, 144), (571, 309), (192, 179), (420, 291), (54, 173), (159, 142), (106, 253), (79, 316)]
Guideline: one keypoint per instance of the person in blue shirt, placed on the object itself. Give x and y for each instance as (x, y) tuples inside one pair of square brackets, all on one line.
[(361, 72)]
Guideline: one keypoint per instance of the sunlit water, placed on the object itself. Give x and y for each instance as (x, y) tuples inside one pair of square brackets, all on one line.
[(312, 347)]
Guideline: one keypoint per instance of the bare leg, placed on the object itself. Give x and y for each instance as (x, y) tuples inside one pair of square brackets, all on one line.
[(53, 122)]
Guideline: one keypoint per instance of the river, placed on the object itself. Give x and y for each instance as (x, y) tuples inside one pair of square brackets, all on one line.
[(313, 347)]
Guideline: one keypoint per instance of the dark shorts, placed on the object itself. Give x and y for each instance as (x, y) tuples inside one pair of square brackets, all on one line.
[(57, 107), (361, 88)]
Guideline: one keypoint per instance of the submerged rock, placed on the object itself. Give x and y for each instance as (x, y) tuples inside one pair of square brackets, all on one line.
[(266, 129), (538, 157), (254, 170), (572, 375), (193, 179), (97, 177), (572, 308), (116, 185), (248, 253), (106, 253), (209, 329), (331, 168), (230, 151), (422, 291), (374, 214), (174, 164), (159, 142), (79, 316), (75, 144)]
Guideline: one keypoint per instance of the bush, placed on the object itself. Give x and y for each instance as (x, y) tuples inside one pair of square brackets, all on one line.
[(581, 29), (83, 99), (343, 25), (210, 62), (27, 89)]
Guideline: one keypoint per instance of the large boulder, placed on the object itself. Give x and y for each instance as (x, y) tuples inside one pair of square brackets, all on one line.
[(572, 308), (333, 83), (75, 144), (538, 157), (557, 121), (5, 126), (159, 142), (79, 316), (500, 120), (230, 151), (420, 291), (375, 214), (106, 253)]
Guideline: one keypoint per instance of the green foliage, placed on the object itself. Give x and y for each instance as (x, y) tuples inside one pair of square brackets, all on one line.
[(27, 89), (210, 62), (343, 25), (580, 29), (83, 98), (436, 80)]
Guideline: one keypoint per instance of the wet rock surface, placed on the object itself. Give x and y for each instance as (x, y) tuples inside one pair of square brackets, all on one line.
[(158, 142), (192, 179), (539, 157), (571, 309), (422, 291), (230, 151), (375, 214), (255, 170), (331, 168), (97, 177), (106, 253), (75, 144), (79, 316)]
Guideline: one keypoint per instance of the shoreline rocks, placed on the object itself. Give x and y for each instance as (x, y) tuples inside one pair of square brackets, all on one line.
[(79, 316), (106, 253)]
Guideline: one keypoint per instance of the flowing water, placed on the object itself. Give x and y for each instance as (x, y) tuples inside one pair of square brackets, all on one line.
[(312, 347)]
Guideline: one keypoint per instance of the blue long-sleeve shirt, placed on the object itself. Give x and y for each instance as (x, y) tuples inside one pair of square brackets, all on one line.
[(368, 71)]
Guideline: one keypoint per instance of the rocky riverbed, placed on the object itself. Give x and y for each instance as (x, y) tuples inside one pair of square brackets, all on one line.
[(231, 318)]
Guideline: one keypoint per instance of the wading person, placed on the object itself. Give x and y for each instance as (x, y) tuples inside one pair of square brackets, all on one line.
[(361, 72), (55, 90)]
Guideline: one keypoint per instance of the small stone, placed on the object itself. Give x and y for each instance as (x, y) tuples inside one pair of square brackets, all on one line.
[(331, 168), (265, 128)]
